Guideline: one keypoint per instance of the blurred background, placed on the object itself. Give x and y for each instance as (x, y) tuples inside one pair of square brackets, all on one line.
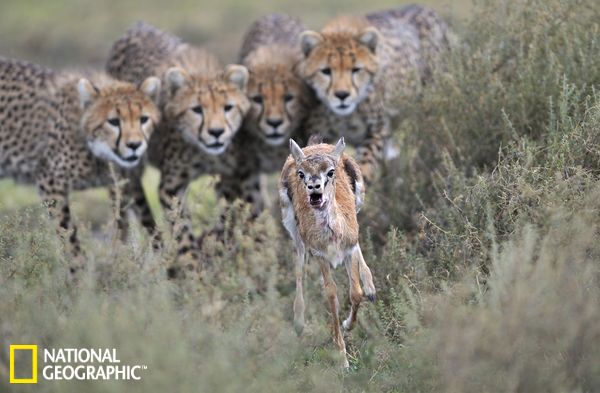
[(80, 32)]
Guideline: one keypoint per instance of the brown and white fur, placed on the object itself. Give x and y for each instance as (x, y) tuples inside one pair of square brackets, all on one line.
[(321, 191)]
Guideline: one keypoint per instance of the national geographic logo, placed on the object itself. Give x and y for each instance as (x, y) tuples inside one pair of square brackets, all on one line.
[(81, 364)]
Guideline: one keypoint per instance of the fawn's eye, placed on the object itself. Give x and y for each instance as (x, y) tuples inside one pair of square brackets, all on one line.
[(301, 174), (228, 107), (288, 97), (143, 119), (326, 71), (356, 69), (197, 109), (330, 173), (115, 122), (258, 99)]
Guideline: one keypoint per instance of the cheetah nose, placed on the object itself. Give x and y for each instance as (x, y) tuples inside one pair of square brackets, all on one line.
[(274, 122), (342, 94), (133, 145), (216, 132)]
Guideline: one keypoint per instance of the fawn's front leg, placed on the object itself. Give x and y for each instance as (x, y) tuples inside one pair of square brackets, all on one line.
[(299, 299), (330, 291)]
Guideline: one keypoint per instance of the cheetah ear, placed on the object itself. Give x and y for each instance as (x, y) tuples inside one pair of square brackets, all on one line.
[(296, 151), (369, 37), (237, 75), (175, 78), (338, 149), (309, 40), (87, 92), (151, 88)]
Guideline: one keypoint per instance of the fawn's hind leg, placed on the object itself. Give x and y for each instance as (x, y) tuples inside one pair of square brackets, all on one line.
[(352, 263), (365, 274), (330, 291)]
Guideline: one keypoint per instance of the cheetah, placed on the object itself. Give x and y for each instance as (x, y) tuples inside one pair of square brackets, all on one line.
[(64, 132), (361, 68), (280, 101), (202, 105)]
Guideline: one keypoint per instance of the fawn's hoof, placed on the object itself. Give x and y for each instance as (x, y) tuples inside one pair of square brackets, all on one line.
[(347, 325), (372, 297), (298, 327)]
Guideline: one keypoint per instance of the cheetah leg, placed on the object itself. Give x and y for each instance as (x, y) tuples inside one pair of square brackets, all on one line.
[(352, 263), (330, 290), (372, 151), (57, 202), (171, 192), (119, 203), (142, 208)]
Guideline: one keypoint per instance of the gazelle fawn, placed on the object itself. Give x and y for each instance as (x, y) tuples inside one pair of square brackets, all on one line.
[(321, 192)]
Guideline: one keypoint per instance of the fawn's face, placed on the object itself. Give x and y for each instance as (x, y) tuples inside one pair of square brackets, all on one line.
[(317, 173)]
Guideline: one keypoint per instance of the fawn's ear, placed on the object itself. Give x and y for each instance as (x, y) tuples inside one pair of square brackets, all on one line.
[(309, 40), (87, 92), (296, 151), (339, 149)]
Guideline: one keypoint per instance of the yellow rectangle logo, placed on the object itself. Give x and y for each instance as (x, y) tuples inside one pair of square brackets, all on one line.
[(34, 357)]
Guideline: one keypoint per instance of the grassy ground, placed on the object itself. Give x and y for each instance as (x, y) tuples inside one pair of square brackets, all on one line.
[(483, 237)]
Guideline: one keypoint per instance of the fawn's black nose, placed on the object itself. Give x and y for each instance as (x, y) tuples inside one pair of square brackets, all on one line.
[(133, 145), (316, 187), (342, 94), (274, 122), (216, 132)]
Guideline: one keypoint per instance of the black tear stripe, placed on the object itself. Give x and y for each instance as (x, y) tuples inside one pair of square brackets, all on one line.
[(118, 141)]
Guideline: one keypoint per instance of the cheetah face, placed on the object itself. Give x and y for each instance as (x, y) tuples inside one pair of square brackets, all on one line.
[(207, 111), (340, 67), (278, 103), (119, 118), (317, 173)]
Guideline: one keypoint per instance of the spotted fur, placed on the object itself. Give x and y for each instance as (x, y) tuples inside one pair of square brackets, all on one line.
[(203, 106), (280, 101), (62, 132), (362, 68)]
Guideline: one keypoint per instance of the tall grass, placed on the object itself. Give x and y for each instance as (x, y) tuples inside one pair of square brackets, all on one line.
[(482, 236)]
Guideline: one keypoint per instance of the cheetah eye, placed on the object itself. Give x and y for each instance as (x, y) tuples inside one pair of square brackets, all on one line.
[(288, 97), (301, 174), (330, 173), (228, 107), (143, 119), (115, 122), (258, 99), (356, 70), (326, 71), (197, 109)]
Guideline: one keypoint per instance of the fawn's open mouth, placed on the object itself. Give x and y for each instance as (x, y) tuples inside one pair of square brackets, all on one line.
[(316, 200)]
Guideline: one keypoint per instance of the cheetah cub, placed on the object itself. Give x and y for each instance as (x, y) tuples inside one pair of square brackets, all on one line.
[(203, 106), (321, 191), (62, 132), (362, 68), (280, 101)]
